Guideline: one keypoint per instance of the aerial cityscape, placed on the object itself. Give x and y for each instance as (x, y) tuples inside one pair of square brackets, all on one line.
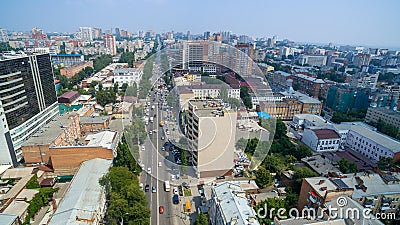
[(194, 113)]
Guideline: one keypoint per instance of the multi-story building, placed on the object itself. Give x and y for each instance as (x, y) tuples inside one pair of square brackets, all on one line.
[(204, 91), (344, 98), (312, 60), (61, 144), (320, 140), (312, 86), (288, 103), (379, 193), (229, 205), (71, 71), (27, 102), (210, 145), (3, 35), (128, 75), (361, 60), (385, 115), (67, 59), (364, 80), (363, 139), (109, 42)]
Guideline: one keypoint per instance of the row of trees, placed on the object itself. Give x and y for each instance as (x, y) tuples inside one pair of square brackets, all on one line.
[(42, 198), (245, 96), (102, 61), (127, 201), (387, 129), (350, 116), (127, 57)]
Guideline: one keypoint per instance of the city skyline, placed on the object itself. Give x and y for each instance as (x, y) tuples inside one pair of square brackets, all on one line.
[(290, 20)]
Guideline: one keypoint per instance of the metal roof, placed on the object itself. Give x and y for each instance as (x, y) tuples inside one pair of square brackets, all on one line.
[(83, 196)]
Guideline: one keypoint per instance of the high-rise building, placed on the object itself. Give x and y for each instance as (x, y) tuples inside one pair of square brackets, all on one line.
[(3, 35), (207, 35), (27, 102), (109, 42), (86, 33)]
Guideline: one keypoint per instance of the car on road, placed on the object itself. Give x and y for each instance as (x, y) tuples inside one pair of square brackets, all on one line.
[(142, 165), (168, 133), (147, 188), (172, 177), (163, 148), (239, 175), (149, 170), (176, 191), (162, 138), (175, 199), (220, 177), (161, 209), (154, 189), (159, 163), (143, 148), (151, 132)]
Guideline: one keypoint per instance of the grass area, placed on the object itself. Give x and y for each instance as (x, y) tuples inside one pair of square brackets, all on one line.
[(187, 192)]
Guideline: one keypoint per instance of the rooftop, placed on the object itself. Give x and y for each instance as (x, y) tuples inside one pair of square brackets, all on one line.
[(208, 108), (17, 173), (301, 97), (93, 119), (69, 94), (50, 131), (16, 188), (312, 79), (326, 134), (17, 208), (320, 164), (234, 204), (27, 194), (317, 120), (84, 192), (210, 86), (104, 139), (283, 73), (7, 219), (366, 131)]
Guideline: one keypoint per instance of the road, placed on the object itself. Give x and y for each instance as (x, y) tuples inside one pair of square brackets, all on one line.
[(151, 157)]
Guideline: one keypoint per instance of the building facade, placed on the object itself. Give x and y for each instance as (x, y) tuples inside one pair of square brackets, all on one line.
[(385, 115), (27, 102), (320, 140)]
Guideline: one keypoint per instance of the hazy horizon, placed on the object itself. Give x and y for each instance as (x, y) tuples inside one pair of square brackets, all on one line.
[(364, 23)]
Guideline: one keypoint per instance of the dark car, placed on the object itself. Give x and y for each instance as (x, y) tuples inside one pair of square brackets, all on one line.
[(220, 177), (147, 188), (239, 175), (175, 199)]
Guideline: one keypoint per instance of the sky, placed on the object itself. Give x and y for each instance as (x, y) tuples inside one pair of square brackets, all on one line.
[(370, 23)]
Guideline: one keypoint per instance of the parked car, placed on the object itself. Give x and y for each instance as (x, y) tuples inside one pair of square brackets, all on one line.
[(147, 188), (220, 177), (154, 189), (161, 209)]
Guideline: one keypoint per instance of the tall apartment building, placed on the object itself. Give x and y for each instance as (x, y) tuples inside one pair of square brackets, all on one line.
[(364, 80), (109, 42), (344, 98), (27, 102), (385, 115), (211, 133)]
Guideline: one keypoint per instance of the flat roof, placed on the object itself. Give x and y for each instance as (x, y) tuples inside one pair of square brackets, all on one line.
[(17, 208), (234, 204), (320, 164), (7, 219), (315, 119), (27, 194), (300, 96), (16, 173), (315, 183), (326, 133), (3, 168), (104, 139), (16, 188), (312, 79), (93, 119), (50, 131), (84, 192), (283, 73), (209, 108), (366, 131)]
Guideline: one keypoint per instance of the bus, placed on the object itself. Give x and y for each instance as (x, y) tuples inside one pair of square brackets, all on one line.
[(167, 186)]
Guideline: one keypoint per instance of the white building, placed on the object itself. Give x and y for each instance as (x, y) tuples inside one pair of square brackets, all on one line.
[(364, 139), (128, 75), (307, 121), (229, 205), (312, 60), (320, 140), (203, 91), (3, 35)]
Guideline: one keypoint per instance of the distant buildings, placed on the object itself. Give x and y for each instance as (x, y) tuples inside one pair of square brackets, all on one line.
[(364, 80), (109, 42), (312, 60), (3, 35), (229, 205), (71, 71), (385, 115), (67, 59), (27, 102), (344, 98), (211, 149)]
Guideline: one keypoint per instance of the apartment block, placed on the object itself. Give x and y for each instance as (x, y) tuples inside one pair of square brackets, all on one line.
[(71, 71), (211, 133), (320, 140), (385, 115)]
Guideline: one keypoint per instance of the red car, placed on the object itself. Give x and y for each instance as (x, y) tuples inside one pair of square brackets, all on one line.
[(161, 209)]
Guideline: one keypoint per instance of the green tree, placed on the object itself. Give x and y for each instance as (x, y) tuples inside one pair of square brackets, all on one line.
[(347, 167), (385, 163), (33, 183), (263, 177), (235, 103), (201, 219), (245, 96)]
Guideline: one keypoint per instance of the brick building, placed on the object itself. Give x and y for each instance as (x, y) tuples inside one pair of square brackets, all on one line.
[(74, 69)]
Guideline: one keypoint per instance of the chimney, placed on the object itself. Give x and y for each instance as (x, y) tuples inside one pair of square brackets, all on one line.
[(321, 182)]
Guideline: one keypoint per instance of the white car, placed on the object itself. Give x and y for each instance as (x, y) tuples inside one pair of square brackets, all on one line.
[(168, 132), (172, 177), (159, 163), (151, 132), (142, 166), (143, 148), (176, 191), (149, 170)]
